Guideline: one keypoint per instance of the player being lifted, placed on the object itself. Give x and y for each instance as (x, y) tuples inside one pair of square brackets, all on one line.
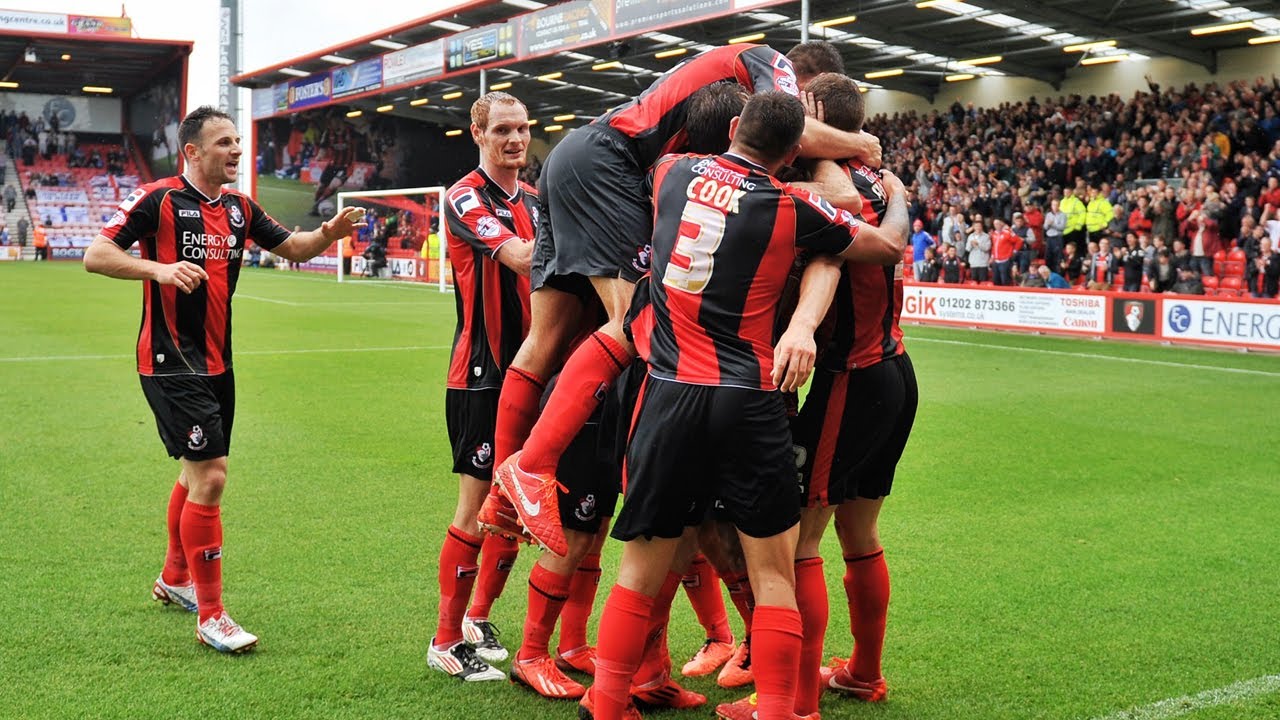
[(590, 471), (593, 242), (491, 218), (724, 239), (191, 235)]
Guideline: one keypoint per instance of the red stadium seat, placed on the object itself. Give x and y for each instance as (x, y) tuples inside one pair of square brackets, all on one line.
[(1209, 281), (1233, 269), (1230, 287), (1237, 254), (1219, 261)]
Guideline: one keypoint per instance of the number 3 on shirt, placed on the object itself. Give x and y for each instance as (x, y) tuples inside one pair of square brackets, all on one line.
[(701, 230)]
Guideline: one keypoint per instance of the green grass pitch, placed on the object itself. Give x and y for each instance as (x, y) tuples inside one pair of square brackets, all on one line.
[(1078, 527)]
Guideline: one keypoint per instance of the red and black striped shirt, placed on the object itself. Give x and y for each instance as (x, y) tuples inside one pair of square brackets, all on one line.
[(865, 314), (492, 300), (172, 221), (724, 239), (655, 119)]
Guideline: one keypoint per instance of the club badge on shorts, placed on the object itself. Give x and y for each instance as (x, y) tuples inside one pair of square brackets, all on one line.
[(196, 439)]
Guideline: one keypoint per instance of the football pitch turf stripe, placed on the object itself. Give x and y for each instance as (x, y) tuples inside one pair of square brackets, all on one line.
[(305, 351), (1187, 704), (1098, 356)]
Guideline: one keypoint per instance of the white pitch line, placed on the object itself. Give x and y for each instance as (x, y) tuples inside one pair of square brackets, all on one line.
[(307, 351), (1097, 356), (1187, 704), (267, 300), (331, 278)]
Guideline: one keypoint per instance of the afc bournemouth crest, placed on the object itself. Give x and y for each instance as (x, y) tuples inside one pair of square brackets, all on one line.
[(586, 510), (643, 255), (233, 212), (196, 439), (483, 457), (1133, 316)]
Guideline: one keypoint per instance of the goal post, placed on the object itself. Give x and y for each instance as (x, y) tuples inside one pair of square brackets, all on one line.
[(409, 227)]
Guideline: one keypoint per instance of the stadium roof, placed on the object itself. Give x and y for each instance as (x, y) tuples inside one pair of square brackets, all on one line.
[(914, 47), (59, 64)]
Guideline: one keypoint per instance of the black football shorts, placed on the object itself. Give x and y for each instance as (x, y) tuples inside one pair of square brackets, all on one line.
[(853, 428), (595, 218), (694, 444), (193, 413), (470, 416)]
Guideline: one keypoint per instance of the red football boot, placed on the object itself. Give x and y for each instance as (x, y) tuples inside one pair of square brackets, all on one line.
[(536, 503), (836, 676), (498, 517)]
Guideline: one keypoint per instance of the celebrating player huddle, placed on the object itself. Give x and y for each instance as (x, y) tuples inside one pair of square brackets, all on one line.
[(677, 399), (635, 326)]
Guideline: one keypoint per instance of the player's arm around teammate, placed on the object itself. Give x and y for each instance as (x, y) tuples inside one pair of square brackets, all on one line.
[(192, 236)]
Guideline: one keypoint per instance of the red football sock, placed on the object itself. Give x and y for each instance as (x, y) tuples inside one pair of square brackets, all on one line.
[(775, 653), (497, 557), (547, 594), (175, 561), (703, 588), (517, 411), (622, 641), (739, 586), (456, 574), (656, 661), (866, 582), (577, 610), (586, 376), (201, 529), (811, 599)]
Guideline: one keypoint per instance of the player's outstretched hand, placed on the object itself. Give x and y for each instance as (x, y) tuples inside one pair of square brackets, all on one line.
[(793, 359), (872, 154), (184, 275), (343, 223)]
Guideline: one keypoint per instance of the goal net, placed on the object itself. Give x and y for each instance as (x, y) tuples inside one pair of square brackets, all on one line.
[(405, 238)]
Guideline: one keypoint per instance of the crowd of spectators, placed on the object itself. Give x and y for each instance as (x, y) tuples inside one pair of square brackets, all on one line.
[(1149, 192), (326, 136), (28, 139)]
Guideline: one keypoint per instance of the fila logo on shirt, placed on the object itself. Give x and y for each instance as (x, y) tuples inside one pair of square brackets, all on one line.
[(184, 213), (503, 212), (464, 201)]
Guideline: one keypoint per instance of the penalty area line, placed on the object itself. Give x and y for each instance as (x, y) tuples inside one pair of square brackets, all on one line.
[(1187, 704), (304, 351), (1099, 356)]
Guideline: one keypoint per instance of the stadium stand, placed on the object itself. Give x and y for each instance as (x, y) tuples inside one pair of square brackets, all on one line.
[(74, 193), (1173, 155)]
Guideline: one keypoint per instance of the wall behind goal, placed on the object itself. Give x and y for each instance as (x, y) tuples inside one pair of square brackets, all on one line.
[(1124, 78)]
